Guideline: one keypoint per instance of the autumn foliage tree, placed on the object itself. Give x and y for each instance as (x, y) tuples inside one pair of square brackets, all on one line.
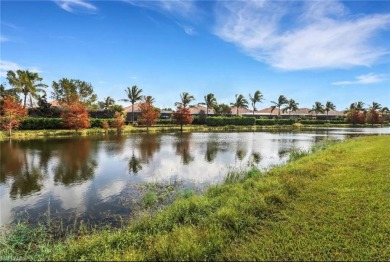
[(148, 113), (119, 122), (75, 116), (182, 117), (12, 114)]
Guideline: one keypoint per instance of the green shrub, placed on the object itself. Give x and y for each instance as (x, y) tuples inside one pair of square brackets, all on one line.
[(271, 122), (97, 122), (36, 123), (234, 120), (321, 122), (164, 122)]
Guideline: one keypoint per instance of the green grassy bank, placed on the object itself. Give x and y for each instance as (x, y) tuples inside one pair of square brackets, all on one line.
[(332, 205), (129, 129)]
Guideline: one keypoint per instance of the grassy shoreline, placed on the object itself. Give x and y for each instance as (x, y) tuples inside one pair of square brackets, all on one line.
[(331, 205), (27, 134)]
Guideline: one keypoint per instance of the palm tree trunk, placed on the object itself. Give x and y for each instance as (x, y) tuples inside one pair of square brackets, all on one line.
[(25, 99), (237, 111), (132, 113)]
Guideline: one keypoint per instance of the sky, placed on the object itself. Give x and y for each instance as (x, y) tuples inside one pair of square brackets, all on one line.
[(308, 51)]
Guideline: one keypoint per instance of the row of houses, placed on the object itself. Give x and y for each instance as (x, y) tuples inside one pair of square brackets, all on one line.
[(263, 113)]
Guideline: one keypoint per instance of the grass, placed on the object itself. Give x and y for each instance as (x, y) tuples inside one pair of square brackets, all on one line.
[(330, 205), (129, 129)]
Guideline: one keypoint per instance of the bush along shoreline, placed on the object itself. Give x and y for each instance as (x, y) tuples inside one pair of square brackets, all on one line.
[(322, 206), (52, 127)]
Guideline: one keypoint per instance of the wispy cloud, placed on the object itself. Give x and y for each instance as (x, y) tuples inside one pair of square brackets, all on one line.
[(3, 39), (182, 9), (189, 30), (176, 7), (370, 78), (9, 65), (322, 35), (76, 6)]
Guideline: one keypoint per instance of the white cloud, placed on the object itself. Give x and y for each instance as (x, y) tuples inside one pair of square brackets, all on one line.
[(6, 66), (9, 65), (323, 35), (75, 6), (364, 79), (189, 30), (176, 7), (3, 39)]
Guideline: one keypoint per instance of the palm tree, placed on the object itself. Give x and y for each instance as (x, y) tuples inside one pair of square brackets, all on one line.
[(210, 101), (360, 106), (373, 114), (108, 101), (148, 99), (134, 95), (257, 97), (385, 113), (329, 106), (292, 106), (240, 102), (186, 98), (282, 100), (26, 83), (317, 108)]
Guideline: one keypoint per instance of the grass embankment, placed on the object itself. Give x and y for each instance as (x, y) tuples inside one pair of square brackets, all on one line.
[(332, 205), (129, 129)]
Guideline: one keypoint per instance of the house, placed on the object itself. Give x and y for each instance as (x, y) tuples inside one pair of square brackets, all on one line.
[(300, 113), (196, 110)]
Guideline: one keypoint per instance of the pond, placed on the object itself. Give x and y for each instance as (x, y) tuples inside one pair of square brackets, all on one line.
[(99, 178)]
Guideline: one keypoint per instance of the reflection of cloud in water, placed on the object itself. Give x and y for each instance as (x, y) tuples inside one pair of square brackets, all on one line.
[(101, 171), (111, 189), (72, 197)]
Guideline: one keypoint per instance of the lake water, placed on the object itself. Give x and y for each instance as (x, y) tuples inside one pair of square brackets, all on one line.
[(99, 177)]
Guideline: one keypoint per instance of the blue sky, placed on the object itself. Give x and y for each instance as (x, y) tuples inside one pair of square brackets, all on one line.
[(306, 50)]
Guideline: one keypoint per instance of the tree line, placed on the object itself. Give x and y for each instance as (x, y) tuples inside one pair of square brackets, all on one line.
[(77, 96)]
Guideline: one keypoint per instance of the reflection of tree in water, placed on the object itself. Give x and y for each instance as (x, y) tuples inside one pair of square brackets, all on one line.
[(150, 144), (211, 150), (183, 147), (240, 154), (134, 165), (114, 144), (27, 182), (18, 164), (283, 151), (256, 157), (76, 162)]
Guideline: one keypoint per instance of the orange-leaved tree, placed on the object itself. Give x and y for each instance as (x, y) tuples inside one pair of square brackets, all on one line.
[(12, 114), (148, 113), (75, 116), (119, 122), (182, 117)]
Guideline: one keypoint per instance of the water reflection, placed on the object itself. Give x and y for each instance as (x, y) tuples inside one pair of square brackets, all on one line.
[(89, 175), (76, 163), (182, 145), (256, 157), (21, 167), (134, 165), (211, 150), (149, 145)]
